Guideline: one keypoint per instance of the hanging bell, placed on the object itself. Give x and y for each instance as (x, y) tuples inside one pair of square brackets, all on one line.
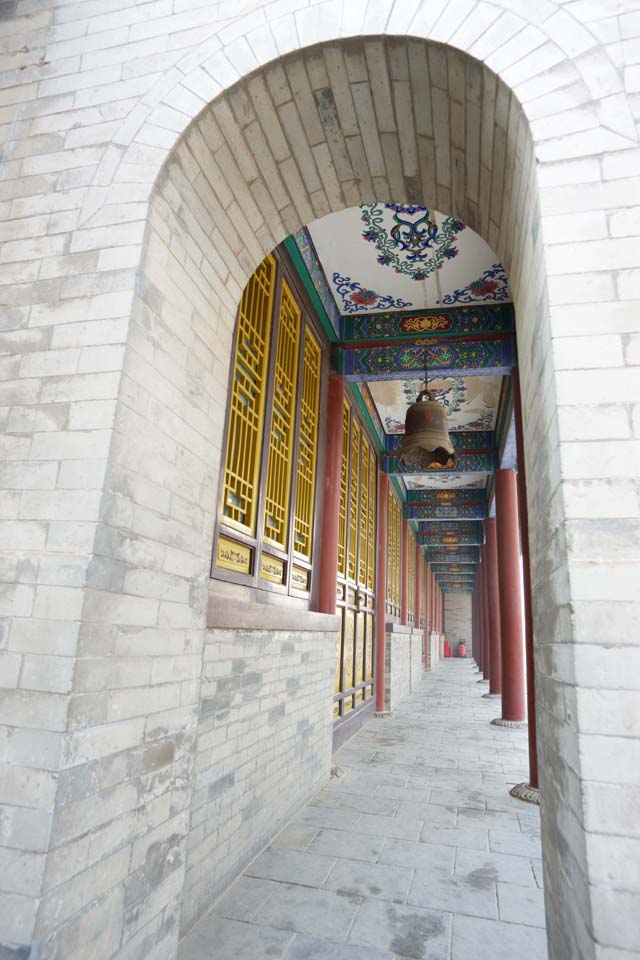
[(426, 438)]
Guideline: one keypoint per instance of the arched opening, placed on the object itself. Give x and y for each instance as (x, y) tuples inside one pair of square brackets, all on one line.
[(340, 124), (323, 130)]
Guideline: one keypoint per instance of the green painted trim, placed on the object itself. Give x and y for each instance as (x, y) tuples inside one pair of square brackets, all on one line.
[(367, 416), (303, 273), (501, 427), (396, 483)]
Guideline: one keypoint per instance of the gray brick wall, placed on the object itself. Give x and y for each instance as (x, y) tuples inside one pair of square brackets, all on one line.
[(457, 618), (120, 275), (263, 747), (403, 663)]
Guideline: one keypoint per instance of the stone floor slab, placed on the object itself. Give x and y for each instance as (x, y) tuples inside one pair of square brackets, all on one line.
[(495, 866), (477, 939), (415, 851), (521, 904), (245, 898), (218, 938), (320, 913), (290, 866), (474, 897), (341, 843), (375, 880), (408, 931)]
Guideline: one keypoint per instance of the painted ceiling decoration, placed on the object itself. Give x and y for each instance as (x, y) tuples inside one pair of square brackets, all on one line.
[(454, 321), (472, 357), (446, 481), (398, 287), (471, 403), (385, 256)]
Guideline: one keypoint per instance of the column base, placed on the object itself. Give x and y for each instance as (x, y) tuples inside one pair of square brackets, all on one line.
[(382, 713), (482, 680), (491, 696), (524, 791), (500, 722)]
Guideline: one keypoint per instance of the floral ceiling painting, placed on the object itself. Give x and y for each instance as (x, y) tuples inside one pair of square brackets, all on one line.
[(471, 402), (388, 256), (457, 480)]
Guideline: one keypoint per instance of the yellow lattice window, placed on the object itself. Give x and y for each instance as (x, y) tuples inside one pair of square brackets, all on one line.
[(308, 446), (246, 416), (411, 575), (276, 515), (394, 548), (354, 488), (371, 552), (364, 514), (344, 483)]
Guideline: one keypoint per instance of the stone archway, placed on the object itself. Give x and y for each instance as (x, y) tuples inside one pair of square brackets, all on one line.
[(155, 510)]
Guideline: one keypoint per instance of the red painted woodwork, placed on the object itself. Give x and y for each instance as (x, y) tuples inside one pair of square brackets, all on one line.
[(381, 587), (510, 587), (523, 512), (493, 597), (486, 638), (417, 601), (404, 573), (331, 497)]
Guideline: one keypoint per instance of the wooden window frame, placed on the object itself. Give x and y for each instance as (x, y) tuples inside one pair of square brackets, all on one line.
[(229, 582), (356, 595)]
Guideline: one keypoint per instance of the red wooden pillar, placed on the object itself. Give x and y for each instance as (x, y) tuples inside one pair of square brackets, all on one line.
[(486, 657), (331, 497), (428, 608), (523, 512), (417, 605), (381, 587), (493, 605), (404, 572), (473, 622), (427, 665), (510, 586)]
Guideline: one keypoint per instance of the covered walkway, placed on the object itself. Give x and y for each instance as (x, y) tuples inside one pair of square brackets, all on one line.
[(416, 850)]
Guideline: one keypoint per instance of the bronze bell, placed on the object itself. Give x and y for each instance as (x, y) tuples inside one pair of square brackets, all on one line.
[(426, 438)]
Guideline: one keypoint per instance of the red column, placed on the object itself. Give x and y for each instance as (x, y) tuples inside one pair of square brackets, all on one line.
[(417, 605), (474, 622), (493, 598), (404, 572), (523, 512), (429, 605), (331, 497), (486, 660), (425, 595), (510, 587), (381, 587)]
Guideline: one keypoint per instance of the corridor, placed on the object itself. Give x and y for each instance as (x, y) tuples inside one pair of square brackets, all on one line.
[(413, 850)]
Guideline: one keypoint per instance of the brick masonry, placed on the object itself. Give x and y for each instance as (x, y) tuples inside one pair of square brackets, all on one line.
[(457, 618), (132, 214), (263, 748), (403, 664)]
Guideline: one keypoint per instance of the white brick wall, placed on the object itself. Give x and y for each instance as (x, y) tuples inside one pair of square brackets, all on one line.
[(457, 619), (113, 413), (263, 748), (403, 664)]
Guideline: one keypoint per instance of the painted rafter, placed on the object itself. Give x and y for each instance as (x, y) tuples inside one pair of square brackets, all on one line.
[(464, 441), (430, 513), (443, 322), (471, 357), (441, 497), (467, 463), (436, 540)]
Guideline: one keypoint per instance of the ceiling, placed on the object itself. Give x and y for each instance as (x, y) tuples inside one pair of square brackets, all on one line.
[(384, 275), (384, 256)]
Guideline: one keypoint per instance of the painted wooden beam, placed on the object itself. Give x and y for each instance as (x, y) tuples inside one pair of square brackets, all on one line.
[(388, 361), (438, 323)]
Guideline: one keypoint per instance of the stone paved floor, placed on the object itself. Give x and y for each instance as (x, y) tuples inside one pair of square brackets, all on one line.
[(416, 851)]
